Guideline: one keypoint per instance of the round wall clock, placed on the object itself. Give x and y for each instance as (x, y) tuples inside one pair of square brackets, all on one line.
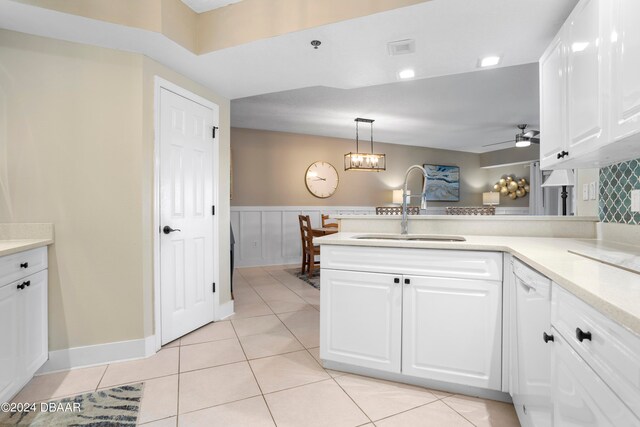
[(321, 179)]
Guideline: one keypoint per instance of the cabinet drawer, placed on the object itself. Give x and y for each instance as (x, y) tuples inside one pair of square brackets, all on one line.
[(613, 351), (16, 266), (419, 262)]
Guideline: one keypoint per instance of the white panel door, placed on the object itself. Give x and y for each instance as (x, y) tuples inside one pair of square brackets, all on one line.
[(451, 330), (625, 68), (580, 397), (553, 138), (586, 78), (533, 319), (186, 198), (33, 317), (9, 331), (361, 319)]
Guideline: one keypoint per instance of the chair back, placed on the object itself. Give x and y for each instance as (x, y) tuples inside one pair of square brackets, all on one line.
[(326, 223), (306, 236), (485, 210)]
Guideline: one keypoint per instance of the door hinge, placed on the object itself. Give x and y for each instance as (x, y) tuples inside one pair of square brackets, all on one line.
[(213, 134), (214, 287), (213, 210)]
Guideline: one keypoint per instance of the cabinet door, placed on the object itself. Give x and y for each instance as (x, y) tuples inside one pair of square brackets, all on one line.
[(625, 68), (361, 319), (452, 330), (553, 138), (586, 78), (533, 314), (33, 315), (581, 398), (9, 353)]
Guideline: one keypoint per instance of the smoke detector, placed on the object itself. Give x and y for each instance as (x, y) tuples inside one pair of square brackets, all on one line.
[(401, 47)]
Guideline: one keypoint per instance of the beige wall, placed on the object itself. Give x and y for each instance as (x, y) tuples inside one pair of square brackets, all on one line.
[(509, 156), (586, 207), (76, 150), (269, 168)]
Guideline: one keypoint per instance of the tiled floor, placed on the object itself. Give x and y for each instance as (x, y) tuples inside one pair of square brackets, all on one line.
[(261, 368)]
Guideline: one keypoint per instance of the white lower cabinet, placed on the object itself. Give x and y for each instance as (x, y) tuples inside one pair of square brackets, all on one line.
[(581, 398), (452, 330), (23, 323), (361, 319), (434, 327)]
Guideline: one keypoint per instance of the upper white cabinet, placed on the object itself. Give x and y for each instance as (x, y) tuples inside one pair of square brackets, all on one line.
[(625, 64), (589, 87), (553, 93)]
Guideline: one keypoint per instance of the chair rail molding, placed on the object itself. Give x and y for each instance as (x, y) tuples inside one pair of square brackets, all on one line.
[(270, 235)]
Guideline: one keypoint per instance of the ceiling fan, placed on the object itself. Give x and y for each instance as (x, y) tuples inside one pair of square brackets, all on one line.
[(522, 139)]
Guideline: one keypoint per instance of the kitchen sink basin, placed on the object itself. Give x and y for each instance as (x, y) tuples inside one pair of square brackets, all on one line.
[(412, 237)]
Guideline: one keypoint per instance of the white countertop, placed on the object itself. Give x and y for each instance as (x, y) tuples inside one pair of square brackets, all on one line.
[(8, 247), (613, 291), (545, 218)]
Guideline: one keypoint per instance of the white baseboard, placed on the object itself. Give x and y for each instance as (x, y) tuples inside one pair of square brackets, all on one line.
[(225, 310), (99, 354)]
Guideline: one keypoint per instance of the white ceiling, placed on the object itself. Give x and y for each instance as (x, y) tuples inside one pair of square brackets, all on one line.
[(450, 35), (200, 6), (460, 112)]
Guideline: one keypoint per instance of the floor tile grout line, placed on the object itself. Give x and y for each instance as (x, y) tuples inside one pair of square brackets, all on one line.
[(353, 400), (255, 378), (453, 409), (411, 409), (179, 373), (102, 376)]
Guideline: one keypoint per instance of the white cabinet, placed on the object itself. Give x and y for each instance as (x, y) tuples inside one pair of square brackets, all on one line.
[(625, 65), (533, 342), (376, 313), (553, 93), (445, 320), (586, 77), (361, 319), (581, 398), (590, 87), (23, 319)]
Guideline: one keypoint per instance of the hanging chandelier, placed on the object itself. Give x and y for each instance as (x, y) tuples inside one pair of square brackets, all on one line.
[(368, 162)]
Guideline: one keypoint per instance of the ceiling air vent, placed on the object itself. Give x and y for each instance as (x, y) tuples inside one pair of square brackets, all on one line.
[(402, 47)]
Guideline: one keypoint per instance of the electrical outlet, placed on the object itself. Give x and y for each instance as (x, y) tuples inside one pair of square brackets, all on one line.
[(585, 192), (635, 200), (592, 190)]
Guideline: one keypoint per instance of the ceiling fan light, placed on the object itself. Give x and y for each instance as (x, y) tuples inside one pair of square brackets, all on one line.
[(522, 141)]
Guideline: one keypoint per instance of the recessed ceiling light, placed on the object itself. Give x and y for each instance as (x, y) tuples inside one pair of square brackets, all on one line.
[(489, 61), (407, 74)]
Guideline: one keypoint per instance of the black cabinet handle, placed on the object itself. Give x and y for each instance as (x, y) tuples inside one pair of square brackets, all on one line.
[(407, 281), (582, 335), (24, 265), (546, 337), (167, 229), (23, 284), (562, 154), (396, 280)]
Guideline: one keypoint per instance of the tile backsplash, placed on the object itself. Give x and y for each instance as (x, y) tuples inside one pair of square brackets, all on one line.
[(616, 182)]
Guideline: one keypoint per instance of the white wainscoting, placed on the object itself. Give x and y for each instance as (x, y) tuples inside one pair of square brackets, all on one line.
[(270, 235)]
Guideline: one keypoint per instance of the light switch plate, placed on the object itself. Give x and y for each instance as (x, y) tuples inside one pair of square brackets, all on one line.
[(635, 200), (592, 190), (585, 192)]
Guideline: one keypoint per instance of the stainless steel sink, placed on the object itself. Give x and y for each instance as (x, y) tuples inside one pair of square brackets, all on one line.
[(412, 237)]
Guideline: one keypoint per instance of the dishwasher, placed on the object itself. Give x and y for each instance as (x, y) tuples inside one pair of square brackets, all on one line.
[(532, 398)]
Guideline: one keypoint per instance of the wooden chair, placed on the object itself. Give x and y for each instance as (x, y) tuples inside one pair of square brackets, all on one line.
[(327, 224), (309, 250)]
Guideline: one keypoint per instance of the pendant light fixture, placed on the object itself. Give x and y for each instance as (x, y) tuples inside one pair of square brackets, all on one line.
[(368, 162)]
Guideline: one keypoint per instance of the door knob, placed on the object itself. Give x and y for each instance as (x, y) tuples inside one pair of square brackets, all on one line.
[(167, 229)]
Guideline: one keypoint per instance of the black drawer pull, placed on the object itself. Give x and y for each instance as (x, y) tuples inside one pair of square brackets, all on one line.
[(546, 337), (582, 335), (27, 283), (407, 281), (24, 265), (396, 280)]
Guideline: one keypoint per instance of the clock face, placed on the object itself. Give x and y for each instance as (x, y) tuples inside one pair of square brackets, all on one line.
[(321, 179)]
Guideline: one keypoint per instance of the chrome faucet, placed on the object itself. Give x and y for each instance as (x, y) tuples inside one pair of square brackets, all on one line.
[(423, 203)]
